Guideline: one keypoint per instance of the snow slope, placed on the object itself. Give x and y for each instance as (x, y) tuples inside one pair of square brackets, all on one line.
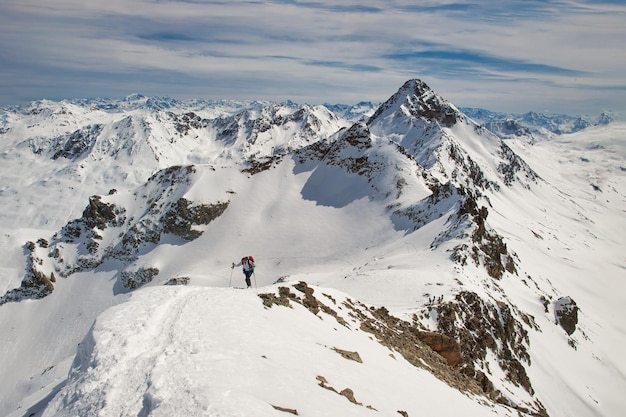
[(234, 357)]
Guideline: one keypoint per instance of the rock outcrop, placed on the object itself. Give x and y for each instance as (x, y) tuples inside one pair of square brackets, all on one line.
[(566, 314)]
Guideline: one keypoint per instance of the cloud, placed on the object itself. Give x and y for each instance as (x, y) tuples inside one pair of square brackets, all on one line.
[(315, 51), (472, 60)]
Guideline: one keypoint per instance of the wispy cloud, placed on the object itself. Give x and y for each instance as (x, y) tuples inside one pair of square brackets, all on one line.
[(551, 53), (478, 61)]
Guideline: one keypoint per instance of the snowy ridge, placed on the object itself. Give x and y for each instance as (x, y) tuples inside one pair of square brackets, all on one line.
[(416, 217), (312, 358)]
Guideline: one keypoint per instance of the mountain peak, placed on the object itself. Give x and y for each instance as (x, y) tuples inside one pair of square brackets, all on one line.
[(417, 100)]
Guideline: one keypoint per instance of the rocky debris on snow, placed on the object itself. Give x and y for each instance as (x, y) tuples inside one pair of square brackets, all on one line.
[(346, 392), (35, 284), (358, 136), (285, 409), (178, 281), (407, 339), (171, 176), (284, 295), (97, 215), (566, 314), (346, 354)]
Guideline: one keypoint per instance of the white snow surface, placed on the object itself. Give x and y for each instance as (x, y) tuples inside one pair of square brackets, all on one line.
[(218, 352), (212, 350)]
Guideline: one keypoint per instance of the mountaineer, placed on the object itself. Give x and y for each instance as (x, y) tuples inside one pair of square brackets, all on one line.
[(247, 262)]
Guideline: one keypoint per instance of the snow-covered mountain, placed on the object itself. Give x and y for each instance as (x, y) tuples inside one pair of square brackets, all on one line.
[(409, 261), (532, 125)]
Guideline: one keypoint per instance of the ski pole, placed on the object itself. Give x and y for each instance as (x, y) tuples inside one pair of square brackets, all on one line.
[(230, 281), (254, 275)]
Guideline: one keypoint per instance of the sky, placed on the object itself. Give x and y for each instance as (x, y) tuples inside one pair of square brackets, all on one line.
[(515, 56)]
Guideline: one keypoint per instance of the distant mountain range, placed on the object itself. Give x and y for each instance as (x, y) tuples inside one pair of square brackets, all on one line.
[(504, 124)]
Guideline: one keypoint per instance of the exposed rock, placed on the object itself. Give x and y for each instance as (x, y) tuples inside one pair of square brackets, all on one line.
[(350, 151), (443, 345), (35, 284), (513, 166), (85, 230), (286, 410), (349, 394), (180, 218), (442, 199), (488, 249), (70, 146), (283, 298), (397, 334), (164, 213), (358, 135), (257, 165), (135, 279), (566, 313), (190, 120), (475, 176), (353, 356), (97, 214), (323, 382), (419, 100), (346, 392), (481, 326), (176, 174), (309, 300)]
